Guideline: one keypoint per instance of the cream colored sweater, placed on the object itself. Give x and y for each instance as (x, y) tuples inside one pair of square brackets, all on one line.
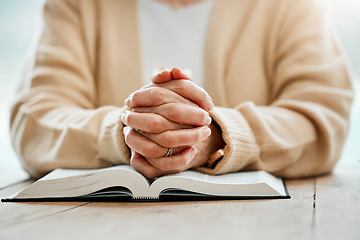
[(273, 69)]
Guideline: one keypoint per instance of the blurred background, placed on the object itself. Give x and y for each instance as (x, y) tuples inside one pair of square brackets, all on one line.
[(20, 23)]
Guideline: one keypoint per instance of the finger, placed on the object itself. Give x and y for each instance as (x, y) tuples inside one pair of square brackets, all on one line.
[(178, 162), (160, 75), (181, 73), (138, 143), (150, 122), (178, 113), (155, 96), (189, 91), (140, 164), (178, 138)]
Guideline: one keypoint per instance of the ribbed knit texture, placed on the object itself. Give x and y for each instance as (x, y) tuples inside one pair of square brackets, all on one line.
[(272, 65), (242, 147), (112, 146)]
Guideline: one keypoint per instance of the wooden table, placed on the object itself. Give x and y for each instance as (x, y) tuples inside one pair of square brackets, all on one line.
[(326, 207)]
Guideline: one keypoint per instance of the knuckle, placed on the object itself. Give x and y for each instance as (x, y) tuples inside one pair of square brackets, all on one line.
[(172, 165), (150, 151), (169, 140), (182, 85), (167, 165), (156, 125), (174, 111), (157, 95)]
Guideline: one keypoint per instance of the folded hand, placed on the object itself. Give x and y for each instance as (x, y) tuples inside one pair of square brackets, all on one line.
[(170, 113)]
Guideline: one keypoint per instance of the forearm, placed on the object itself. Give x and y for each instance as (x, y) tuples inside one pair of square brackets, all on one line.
[(301, 127), (48, 134), (291, 139)]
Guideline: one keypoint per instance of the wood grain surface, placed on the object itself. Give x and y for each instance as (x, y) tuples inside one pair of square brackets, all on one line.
[(325, 207)]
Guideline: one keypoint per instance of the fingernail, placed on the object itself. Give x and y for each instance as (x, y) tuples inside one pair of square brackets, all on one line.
[(125, 130), (206, 131), (210, 106), (128, 102), (209, 120), (124, 116)]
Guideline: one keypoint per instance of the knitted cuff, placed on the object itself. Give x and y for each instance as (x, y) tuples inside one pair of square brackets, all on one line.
[(112, 147), (241, 145)]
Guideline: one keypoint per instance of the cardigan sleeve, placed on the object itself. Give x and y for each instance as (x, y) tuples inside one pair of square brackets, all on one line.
[(303, 129), (55, 122)]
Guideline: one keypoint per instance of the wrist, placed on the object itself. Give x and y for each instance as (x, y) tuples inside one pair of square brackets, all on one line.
[(217, 146), (209, 147)]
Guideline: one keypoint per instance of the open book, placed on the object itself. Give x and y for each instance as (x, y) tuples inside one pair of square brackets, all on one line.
[(123, 183)]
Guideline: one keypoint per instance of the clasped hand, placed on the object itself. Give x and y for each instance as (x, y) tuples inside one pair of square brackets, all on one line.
[(172, 112)]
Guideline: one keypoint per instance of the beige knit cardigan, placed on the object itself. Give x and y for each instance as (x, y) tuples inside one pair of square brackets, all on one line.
[(272, 67)]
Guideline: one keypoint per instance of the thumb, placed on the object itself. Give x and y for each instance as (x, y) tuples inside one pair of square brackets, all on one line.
[(161, 75), (181, 73)]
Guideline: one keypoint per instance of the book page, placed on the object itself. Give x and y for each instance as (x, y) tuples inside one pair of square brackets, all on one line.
[(233, 184), (74, 182), (230, 178), (68, 173)]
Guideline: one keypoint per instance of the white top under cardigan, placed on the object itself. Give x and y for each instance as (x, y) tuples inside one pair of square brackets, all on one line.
[(173, 38)]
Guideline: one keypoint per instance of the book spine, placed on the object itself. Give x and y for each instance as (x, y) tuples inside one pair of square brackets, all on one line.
[(146, 198)]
